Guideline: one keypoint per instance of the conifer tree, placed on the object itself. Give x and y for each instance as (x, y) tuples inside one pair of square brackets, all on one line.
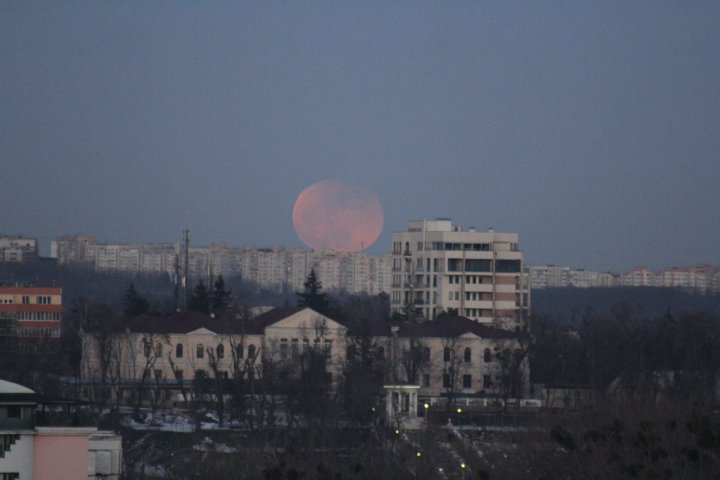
[(220, 296), (199, 300), (311, 296), (134, 304)]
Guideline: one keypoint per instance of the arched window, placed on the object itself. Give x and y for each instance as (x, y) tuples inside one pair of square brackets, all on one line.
[(220, 350), (468, 355), (446, 354), (179, 350), (147, 348), (200, 351), (487, 356), (251, 352), (426, 354), (239, 351), (158, 350)]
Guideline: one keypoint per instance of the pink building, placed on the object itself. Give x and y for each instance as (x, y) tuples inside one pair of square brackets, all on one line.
[(29, 452)]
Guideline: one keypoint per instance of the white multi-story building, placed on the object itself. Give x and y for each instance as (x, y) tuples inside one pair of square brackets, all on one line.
[(16, 248), (274, 268), (549, 276), (590, 279), (552, 276), (439, 267)]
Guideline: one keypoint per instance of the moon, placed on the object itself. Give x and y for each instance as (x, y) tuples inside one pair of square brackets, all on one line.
[(335, 215)]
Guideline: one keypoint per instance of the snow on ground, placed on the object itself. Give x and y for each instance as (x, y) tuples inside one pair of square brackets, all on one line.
[(208, 445)]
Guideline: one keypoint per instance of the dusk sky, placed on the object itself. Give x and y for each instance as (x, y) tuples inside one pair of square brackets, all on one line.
[(590, 128)]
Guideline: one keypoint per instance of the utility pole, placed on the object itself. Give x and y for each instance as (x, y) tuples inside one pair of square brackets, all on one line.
[(210, 288), (186, 240), (176, 278)]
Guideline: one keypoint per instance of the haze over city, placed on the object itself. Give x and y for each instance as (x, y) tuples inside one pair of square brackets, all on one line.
[(590, 129)]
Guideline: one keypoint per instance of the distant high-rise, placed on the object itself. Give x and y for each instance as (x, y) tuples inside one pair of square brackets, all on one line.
[(276, 268), (17, 249), (439, 267)]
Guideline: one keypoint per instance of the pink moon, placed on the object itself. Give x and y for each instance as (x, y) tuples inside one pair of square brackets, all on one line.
[(332, 214)]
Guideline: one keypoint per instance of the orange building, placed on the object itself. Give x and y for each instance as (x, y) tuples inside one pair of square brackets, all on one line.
[(36, 312)]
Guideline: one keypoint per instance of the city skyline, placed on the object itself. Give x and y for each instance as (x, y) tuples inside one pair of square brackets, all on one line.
[(588, 129)]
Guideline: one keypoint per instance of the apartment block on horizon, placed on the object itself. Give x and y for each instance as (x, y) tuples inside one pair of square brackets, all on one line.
[(18, 249), (440, 267), (274, 268), (554, 276), (700, 279)]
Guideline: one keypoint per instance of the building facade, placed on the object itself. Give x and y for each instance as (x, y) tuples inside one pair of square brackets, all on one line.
[(439, 267), (34, 314), (274, 268), (451, 357), (51, 452), (553, 276), (18, 249)]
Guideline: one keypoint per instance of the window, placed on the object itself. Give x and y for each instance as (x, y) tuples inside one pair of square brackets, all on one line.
[(26, 299), (426, 354), (306, 345), (251, 352), (294, 348), (239, 351), (380, 353), (446, 354), (507, 266), (9, 476), (220, 350), (467, 381), (328, 346), (454, 265), (283, 348), (158, 350), (200, 351), (487, 356), (487, 381), (468, 355), (179, 350), (446, 381), (477, 265), (14, 411), (147, 348), (179, 375), (158, 374), (426, 380)]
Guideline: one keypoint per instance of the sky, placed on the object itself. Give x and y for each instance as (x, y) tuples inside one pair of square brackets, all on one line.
[(592, 129)]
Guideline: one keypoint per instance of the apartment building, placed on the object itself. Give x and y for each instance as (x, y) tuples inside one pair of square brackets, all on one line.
[(440, 267), (274, 268), (18, 249), (35, 314), (553, 276)]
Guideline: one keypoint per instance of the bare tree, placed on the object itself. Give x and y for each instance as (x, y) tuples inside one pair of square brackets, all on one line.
[(512, 358), (451, 371), (413, 357)]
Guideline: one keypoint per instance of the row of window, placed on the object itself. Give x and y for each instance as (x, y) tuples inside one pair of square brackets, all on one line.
[(200, 350), (38, 332), (38, 315), (467, 354), (470, 279), (293, 347), (467, 381)]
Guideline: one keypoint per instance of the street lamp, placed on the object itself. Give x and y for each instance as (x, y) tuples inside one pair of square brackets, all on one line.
[(459, 411)]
